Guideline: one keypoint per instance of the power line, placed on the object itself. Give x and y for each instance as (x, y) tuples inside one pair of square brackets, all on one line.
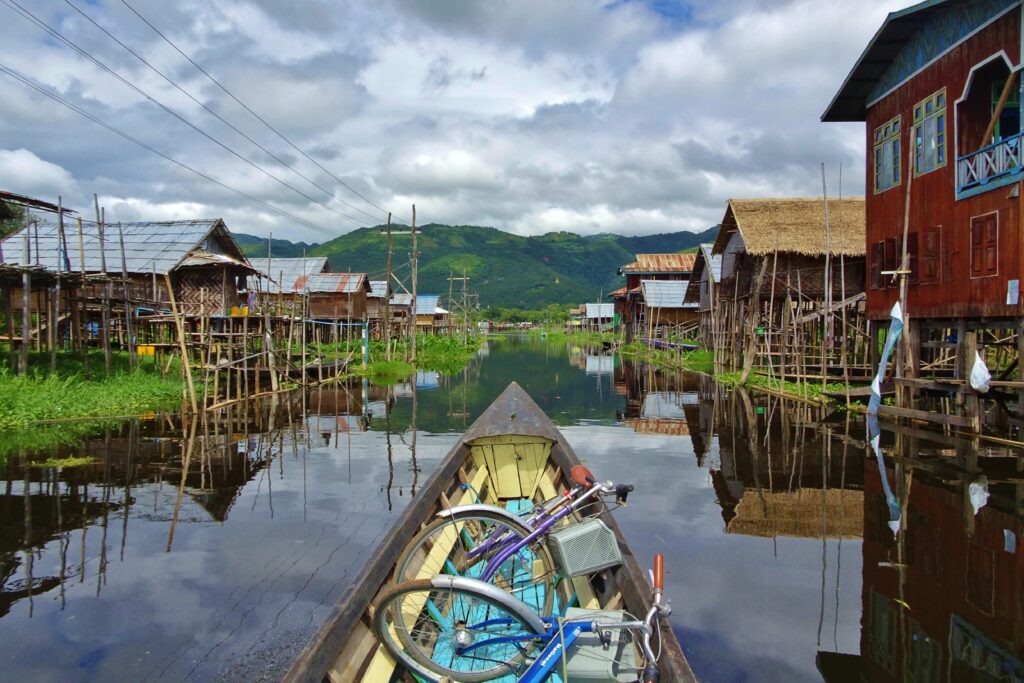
[(44, 26), (57, 98), (254, 114), (215, 114)]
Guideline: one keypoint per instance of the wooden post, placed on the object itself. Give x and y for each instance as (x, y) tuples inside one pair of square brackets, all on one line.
[(387, 299), (826, 341), (180, 325), (105, 306), (415, 259), (753, 310), (132, 360), (26, 315)]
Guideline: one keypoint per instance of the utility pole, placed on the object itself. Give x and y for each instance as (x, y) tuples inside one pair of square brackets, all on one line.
[(465, 309), (415, 259)]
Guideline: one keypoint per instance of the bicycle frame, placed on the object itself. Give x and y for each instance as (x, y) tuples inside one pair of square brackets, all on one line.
[(506, 548), (558, 639)]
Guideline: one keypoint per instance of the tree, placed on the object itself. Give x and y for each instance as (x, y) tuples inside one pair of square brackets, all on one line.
[(12, 219)]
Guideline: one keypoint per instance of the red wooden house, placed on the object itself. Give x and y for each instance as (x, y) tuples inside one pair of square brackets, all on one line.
[(629, 301), (939, 91)]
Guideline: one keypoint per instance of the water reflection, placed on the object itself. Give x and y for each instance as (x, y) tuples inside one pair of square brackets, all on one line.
[(214, 548)]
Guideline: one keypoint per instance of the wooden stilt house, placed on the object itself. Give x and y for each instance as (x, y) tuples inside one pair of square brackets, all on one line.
[(206, 268), (938, 89), (707, 274), (279, 282), (647, 267), (792, 285)]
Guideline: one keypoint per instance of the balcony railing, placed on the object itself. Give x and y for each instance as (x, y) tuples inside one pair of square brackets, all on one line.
[(990, 167)]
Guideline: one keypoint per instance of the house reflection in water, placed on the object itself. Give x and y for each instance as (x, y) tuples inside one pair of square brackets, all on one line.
[(782, 472), (943, 597)]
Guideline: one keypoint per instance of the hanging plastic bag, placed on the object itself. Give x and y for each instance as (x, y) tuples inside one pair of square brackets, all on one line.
[(980, 376)]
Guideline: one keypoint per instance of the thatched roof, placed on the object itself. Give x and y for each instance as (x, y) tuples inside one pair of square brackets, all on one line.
[(794, 225), (804, 513)]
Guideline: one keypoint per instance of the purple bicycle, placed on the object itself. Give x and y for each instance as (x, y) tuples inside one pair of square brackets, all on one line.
[(497, 546)]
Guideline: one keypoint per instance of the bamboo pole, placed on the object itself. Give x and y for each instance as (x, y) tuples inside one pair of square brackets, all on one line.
[(26, 314), (415, 260), (132, 359), (180, 325)]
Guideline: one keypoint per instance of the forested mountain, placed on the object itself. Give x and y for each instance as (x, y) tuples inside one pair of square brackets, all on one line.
[(504, 269)]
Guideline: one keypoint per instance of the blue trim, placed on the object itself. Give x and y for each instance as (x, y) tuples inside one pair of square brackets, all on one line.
[(992, 183)]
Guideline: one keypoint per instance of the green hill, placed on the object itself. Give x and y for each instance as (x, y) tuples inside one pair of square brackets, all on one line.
[(504, 269)]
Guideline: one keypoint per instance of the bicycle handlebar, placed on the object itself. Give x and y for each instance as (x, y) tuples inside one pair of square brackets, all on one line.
[(659, 572)]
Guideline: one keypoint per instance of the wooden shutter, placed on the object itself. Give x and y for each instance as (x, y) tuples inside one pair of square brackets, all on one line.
[(877, 255), (930, 254), (984, 245), (890, 261)]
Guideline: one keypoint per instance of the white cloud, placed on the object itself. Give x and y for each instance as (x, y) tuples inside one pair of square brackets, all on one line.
[(527, 115)]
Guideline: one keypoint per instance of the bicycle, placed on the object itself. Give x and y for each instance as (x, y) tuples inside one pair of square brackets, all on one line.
[(468, 631), (497, 546)]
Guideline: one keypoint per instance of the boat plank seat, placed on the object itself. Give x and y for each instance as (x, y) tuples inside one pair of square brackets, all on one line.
[(515, 462)]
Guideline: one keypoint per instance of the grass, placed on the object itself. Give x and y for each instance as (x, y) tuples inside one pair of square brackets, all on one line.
[(700, 360), (444, 354), (77, 391), (63, 463), (813, 391)]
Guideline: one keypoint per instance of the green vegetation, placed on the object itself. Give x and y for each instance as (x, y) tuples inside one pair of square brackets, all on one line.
[(700, 360), (79, 392), (813, 391), (440, 353), (552, 313), (63, 463), (12, 218), (506, 270)]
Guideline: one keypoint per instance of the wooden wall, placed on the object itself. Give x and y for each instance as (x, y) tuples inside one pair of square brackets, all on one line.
[(934, 207)]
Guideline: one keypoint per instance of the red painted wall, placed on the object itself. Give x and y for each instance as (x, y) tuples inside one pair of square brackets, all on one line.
[(933, 195)]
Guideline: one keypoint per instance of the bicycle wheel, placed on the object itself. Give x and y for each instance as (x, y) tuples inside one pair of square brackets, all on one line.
[(457, 545), (464, 632)]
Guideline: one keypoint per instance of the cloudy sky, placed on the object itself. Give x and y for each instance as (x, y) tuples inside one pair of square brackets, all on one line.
[(528, 115)]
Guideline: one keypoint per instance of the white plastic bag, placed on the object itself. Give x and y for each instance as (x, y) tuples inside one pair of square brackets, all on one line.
[(980, 376)]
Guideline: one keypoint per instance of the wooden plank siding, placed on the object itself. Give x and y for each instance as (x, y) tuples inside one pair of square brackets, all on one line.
[(940, 225)]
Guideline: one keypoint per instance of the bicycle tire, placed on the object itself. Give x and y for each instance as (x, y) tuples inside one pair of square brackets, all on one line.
[(461, 601), (537, 588)]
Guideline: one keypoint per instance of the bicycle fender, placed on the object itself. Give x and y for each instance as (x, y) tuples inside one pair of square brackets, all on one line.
[(492, 592), (481, 507)]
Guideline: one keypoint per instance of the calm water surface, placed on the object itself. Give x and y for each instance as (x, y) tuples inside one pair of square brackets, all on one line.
[(794, 552)]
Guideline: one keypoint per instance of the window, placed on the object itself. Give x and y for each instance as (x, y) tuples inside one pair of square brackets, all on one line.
[(887, 155), (1008, 123), (985, 245), (930, 133), (931, 247)]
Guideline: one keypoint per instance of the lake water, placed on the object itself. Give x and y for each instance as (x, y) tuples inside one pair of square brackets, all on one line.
[(793, 553)]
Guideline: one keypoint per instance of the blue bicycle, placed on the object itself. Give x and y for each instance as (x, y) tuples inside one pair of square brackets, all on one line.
[(467, 630)]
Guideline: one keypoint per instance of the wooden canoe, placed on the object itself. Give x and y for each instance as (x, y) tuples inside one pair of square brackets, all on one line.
[(512, 451)]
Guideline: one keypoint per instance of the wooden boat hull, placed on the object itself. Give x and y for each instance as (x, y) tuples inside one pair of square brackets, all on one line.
[(346, 648)]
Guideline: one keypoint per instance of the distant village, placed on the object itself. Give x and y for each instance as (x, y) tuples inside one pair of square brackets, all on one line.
[(799, 289)]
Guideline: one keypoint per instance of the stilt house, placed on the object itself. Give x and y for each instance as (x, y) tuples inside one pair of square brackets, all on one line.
[(207, 269), (707, 273), (938, 89), (630, 303), (665, 308), (336, 296), (278, 277), (376, 303), (790, 288)]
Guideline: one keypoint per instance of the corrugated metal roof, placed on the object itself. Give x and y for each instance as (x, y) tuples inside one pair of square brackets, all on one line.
[(148, 246), (378, 289), (660, 263), (331, 283), (286, 272), (426, 304), (665, 293), (712, 261), (600, 311), (401, 299)]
